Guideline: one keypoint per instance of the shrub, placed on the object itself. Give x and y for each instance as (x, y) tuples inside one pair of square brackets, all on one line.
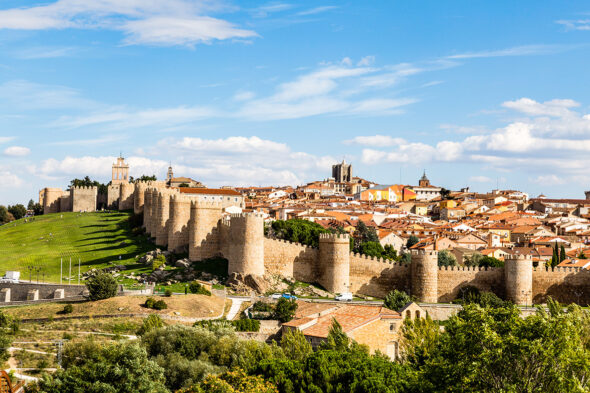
[(445, 258), (68, 309), (160, 305), (149, 303), (395, 300), (262, 306), (285, 309), (102, 286), (246, 325), (168, 292), (158, 261), (152, 322), (198, 289)]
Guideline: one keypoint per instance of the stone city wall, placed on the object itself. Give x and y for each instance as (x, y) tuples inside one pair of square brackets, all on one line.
[(83, 198), (452, 278), (293, 260), (377, 277), (22, 291)]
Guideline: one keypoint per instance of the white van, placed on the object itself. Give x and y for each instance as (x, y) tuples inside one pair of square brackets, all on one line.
[(344, 297)]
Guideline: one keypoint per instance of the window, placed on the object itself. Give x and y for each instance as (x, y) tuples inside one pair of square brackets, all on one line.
[(417, 314), (392, 327), (409, 314)]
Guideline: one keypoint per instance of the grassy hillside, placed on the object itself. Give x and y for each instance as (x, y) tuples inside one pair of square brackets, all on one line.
[(97, 239)]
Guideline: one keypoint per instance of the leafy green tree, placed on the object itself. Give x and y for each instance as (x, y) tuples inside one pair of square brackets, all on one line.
[(151, 322), (232, 382), (337, 340), (487, 261), (412, 240), (419, 339), (581, 255), (396, 300), (5, 338), (18, 211), (181, 372), (285, 309), (295, 346), (445, 258), (112, 368), (389, 252), (298, 231), (539, 353), (473, 259), (373, 249), (406, 258), (87, 182), (102, 286), (143, 178), (31, 205), (5, 215)]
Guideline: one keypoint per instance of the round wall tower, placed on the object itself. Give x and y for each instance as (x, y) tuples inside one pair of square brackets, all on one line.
[(139, 197), (335, 262), (203, 237), (425, 275), (126, 196), (518, 275), (247, 244), (180, 211), (51, 202), (147, 210), (163, 216), (154, 212)]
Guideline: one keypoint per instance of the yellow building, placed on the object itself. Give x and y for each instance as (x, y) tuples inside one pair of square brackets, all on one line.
[(448, 204)]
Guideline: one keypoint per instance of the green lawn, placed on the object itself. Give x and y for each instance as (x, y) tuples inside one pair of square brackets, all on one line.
[(96, 239)]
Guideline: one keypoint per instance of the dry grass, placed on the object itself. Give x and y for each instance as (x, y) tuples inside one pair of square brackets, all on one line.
[(193, 306)]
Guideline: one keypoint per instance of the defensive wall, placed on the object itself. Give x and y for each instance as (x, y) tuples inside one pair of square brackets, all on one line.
[(23, 292), (184, 223)]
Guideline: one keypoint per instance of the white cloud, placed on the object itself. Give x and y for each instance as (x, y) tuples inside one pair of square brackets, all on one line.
[(174, 22), (480, 179), (4, 139), (549, 180), (375, 140), (117, 118), (366, 61), (9, 179), (43, 53), (579, 24), (17, 151), (244, 95), (554, 138), (317, 10), (558, 108), (229, 161), (523, 50)]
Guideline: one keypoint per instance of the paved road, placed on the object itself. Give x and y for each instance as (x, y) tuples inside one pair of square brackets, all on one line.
[(236, 304)]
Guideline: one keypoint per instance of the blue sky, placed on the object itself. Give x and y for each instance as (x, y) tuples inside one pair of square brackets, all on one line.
[(478, 93)]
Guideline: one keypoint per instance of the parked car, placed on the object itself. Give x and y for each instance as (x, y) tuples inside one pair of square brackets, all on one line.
[(288, 296), (276, 296), (11, 277), (344, 297)]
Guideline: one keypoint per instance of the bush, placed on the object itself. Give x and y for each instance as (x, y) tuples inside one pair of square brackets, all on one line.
[(168, 292), (246, 325), (68, 309), (149, 303), (102, 286), (395, 300), (262, 306), (158, 261), (285, 309), (198, 289), (152, 322), (160, 305)]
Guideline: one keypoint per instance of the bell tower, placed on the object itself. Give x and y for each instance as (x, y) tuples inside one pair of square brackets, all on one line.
[(120, 171)]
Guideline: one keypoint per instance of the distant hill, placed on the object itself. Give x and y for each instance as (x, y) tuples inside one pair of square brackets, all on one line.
[(97, 239)]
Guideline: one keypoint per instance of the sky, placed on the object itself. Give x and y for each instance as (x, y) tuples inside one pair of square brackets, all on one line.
[(482, 94)]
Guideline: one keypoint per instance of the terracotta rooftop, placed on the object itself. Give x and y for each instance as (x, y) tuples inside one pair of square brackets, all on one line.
[(208, 191)]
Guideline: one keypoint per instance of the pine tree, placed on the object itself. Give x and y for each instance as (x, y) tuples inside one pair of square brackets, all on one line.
[(554, 257), (562, 254)]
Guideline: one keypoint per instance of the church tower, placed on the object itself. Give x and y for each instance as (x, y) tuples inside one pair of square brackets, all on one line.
[(169, 175), (424, 182), (120, 171)]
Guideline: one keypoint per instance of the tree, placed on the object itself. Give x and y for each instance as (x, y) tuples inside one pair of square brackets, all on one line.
[(285, 309), (396, 300), (445, 258), (412, 240), (389, 252), (562, 254), (373, 249), (295, 346), (555, 257), (445, 194), (18, 211), (31, 205), (545, 352), (102, 286), (473, 259), (487, 261), (87, 182), (112, 368), (337, 340), (5, 339), (232, 382), (297, 231), (5, 215), (151, 322), (143, 178), (365, 234), (581, 255)]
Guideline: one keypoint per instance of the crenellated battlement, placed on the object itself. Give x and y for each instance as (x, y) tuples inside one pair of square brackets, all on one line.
[(84, 188), (519, 257), (424, 252), (334, 236), (198, 204), (557, 269), (469, 268)]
